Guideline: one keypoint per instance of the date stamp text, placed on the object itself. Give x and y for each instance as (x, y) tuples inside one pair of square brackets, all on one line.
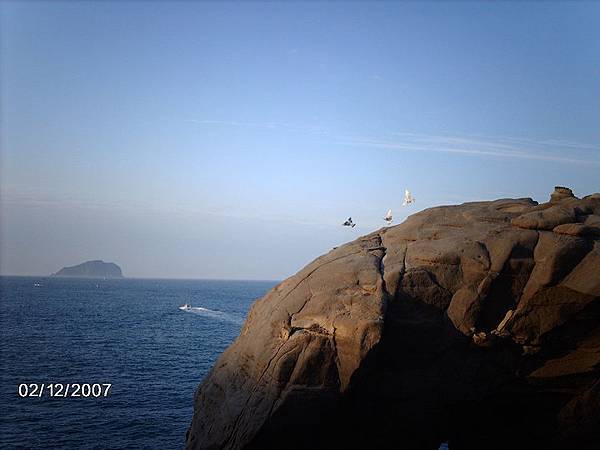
[(64, 390)]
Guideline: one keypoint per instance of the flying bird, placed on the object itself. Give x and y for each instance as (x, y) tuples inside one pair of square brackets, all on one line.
[(349, 223), (408, 198), (388, 217)]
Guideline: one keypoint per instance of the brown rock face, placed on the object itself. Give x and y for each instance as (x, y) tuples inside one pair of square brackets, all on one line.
[(475, 324), (560, 193)]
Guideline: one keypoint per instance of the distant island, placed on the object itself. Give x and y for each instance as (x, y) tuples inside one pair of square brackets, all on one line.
[(91, 269)]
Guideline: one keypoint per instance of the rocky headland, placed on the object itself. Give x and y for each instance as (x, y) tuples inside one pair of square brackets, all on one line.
[(476, 325), (91, 269)]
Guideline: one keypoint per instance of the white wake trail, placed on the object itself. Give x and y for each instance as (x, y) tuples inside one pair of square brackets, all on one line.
[(219, 315)]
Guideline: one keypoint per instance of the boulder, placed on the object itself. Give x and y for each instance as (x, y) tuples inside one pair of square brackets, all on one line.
[(560, 193), (474, 324)]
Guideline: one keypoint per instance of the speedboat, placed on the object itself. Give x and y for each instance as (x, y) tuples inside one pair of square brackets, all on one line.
[(185, 307)]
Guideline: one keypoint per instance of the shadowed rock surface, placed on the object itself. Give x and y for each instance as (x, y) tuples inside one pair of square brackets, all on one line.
[(475, 324), (91, 269)]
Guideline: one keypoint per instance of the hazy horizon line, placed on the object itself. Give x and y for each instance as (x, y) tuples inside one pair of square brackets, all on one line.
[(143, 278)]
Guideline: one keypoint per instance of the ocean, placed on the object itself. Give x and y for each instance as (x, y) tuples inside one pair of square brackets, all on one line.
[(129, 333)]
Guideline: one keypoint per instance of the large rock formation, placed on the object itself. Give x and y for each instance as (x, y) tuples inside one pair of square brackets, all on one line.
[(474, 324), (91, 269)]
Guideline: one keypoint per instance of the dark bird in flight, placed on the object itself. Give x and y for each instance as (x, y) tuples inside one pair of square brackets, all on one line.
[(349, 223)]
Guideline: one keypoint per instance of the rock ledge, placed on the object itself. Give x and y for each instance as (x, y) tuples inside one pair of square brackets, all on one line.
[(475, 324)]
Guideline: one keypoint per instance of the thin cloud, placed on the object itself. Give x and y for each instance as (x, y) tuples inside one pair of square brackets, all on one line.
[(511, 142), (136, 207), (286, 126), (549, 150), (531, 150), (552, 143)]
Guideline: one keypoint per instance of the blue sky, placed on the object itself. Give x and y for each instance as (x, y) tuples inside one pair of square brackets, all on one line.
[(230, 140)]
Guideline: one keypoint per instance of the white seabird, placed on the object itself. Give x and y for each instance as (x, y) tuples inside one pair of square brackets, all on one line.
[(408, 198), (388, 217)]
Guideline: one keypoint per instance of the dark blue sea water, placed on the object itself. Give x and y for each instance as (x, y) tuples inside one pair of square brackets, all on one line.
[(129, 333)]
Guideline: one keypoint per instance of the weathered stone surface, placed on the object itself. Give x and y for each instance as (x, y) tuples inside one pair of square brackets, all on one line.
[(577, 229), (560, 193), (546, 219), (459, 324)]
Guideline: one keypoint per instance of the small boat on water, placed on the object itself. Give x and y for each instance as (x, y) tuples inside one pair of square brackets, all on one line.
[(185, 307)]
